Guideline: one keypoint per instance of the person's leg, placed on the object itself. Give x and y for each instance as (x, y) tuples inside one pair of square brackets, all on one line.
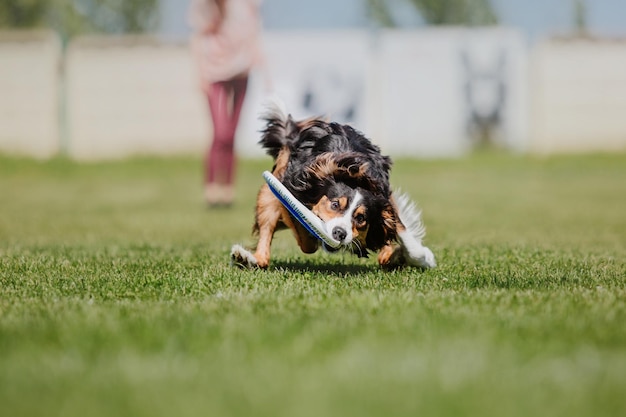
[(225, 102), (240, 86), (238, 90), (217, 160)]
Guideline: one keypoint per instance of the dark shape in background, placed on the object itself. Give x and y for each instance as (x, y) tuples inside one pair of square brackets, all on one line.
[(329, 92), (73, 17), (485, 96)]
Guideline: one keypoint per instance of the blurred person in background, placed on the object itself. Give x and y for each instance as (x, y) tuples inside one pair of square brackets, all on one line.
[(226, 45)]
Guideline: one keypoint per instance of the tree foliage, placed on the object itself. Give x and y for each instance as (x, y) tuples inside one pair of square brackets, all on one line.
[(72, 17), (440, 12), (22, 13), (580, 16)]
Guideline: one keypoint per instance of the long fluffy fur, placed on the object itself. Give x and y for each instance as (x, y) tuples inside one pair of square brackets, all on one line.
[(410, 215), (322, 163), (280, 128)]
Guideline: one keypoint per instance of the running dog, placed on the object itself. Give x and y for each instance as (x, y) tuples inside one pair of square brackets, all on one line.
[(343, 179)]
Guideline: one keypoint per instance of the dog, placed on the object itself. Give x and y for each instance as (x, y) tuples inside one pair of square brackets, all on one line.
[(343, 178)]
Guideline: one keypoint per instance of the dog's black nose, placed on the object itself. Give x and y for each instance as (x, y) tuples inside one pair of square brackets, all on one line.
[(339, 234)]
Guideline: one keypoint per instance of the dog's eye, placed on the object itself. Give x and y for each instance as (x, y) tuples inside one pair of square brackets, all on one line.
[(334, 205), (359, 218)]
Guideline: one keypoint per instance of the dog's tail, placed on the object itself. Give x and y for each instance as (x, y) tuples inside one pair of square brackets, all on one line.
[(280, 130), (410, 215)]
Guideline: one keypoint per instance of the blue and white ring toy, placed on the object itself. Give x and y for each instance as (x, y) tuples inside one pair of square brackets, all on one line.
[(310, 221)]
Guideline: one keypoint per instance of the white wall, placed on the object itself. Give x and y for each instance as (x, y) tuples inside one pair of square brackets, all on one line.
[(29, 87), (579, 96), (435, 85), (131, 96), (407, 88), (316, 74), (415, 93)]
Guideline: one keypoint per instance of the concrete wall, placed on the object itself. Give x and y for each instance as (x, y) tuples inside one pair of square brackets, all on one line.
[(579, 96), (427, 93), (414, 93), (314, 73), (29, 93), (128, 96), (441, 90)]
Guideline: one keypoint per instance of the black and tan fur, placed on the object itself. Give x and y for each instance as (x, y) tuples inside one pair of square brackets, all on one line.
[(344, 179)]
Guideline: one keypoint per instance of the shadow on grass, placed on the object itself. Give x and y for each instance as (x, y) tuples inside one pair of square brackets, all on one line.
[(330, 269)]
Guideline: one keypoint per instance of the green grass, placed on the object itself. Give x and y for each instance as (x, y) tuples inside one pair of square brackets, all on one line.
[(117, 298)]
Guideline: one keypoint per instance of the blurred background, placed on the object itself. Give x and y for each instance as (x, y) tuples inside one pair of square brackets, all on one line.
[(105, 79)]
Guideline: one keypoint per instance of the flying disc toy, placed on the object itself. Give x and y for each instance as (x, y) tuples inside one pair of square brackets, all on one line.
[(310, 221)]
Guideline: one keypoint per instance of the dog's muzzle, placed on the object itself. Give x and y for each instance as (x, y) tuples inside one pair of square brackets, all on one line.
[(339, 234)]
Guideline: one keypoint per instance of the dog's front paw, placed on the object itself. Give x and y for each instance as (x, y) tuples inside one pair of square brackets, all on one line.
[(391, 257), (422, 258), (242, 258)]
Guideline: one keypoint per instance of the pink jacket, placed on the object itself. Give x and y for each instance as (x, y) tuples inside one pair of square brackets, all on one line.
[(230, 49)]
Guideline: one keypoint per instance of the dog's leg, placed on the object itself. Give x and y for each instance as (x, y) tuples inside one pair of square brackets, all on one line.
[(241, 257), (306, 242), (268, 214), (390, 256), (415, 254), (410, 232)]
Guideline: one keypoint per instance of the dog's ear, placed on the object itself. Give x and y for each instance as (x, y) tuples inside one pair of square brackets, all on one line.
[(382, 228), (351, 168), (309, 183), (363, 172), (342, 167), (352, 165)]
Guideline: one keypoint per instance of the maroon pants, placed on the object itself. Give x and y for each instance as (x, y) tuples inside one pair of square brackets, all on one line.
[(225, 102)]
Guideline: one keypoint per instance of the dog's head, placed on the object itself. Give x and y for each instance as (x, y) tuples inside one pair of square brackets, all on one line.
[(344, 180), (356, 217), (337, 173)]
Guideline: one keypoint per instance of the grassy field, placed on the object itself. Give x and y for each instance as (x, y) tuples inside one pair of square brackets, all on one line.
[(117, 298)]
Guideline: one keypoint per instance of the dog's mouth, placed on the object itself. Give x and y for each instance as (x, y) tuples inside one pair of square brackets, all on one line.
[(330, 249), (354, 247), (346, 242)]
